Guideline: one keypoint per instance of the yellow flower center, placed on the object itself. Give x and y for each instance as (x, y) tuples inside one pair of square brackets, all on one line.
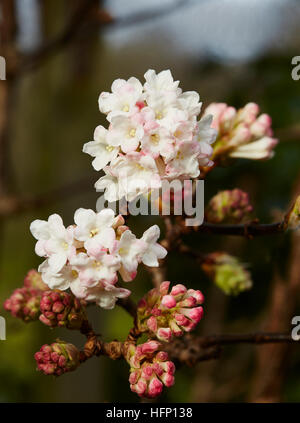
[(65, 245), (74, 274), (109, 148), (93, 232), (97, 265), (132, 133), (177, 133), (154, 138), (126, 108)]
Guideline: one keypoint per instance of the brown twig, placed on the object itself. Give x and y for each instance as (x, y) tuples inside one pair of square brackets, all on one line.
[(191, 349), (246, 229), (32, 60)]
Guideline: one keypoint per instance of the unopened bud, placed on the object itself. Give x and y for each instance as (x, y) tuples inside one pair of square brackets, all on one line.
[(227, 273), (57, 358), (24, 303), (230, 206), (170, 314), (61, 309)]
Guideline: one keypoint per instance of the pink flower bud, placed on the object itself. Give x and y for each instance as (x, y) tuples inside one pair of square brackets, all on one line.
[(57, 358), (238, 130), (149, 347), (168, 301), (152, 324), (164, 287), (61, 309), (24, 303), (168, 379), (150, 369), (164, 334), (178, 290), (33, 279), (171, 314), (230, 206), (155, 388)]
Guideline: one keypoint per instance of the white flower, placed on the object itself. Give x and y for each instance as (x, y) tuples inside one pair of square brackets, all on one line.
[(125, 132), (153, 135), (93, 252), (123, 99), (130, 250), (103, 269), (136, 174), (190, 102), (54, 241), (154, 251), (107, 296), (162, 82), (206, 136), (110, 185), (95, 229), (159, 141), (100, 149), (186, 161), (58, 280)]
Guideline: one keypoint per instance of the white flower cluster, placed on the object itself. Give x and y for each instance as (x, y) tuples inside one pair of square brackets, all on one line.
[(86, 257), (153, 134)]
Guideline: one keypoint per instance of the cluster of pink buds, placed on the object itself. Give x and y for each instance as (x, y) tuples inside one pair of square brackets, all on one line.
[(33, 279), (241, 133), (167, 314), (61, 309), (24, 303), (150, 369), (230, 206), (57, 358)]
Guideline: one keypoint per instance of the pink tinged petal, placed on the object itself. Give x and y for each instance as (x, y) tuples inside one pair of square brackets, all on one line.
[(126, 275), (147, 372), (178, 290), (133, 378), (168, 379), (181, 320), (140, 387), (175, 328), (149, 347), (152, 324), (162, 356), (155, 387), (195, 314), (164, 287), (168, 301), (164, 334), (158, 369), (188, 302), (196, 294)]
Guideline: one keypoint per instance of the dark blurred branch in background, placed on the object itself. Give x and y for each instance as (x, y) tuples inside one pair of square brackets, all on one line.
[(8, 30), (272, 361), (83, 12), (191, 349), (12, 205)]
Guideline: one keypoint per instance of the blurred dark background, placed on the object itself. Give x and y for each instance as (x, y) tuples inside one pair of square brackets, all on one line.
[(58, 61)]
